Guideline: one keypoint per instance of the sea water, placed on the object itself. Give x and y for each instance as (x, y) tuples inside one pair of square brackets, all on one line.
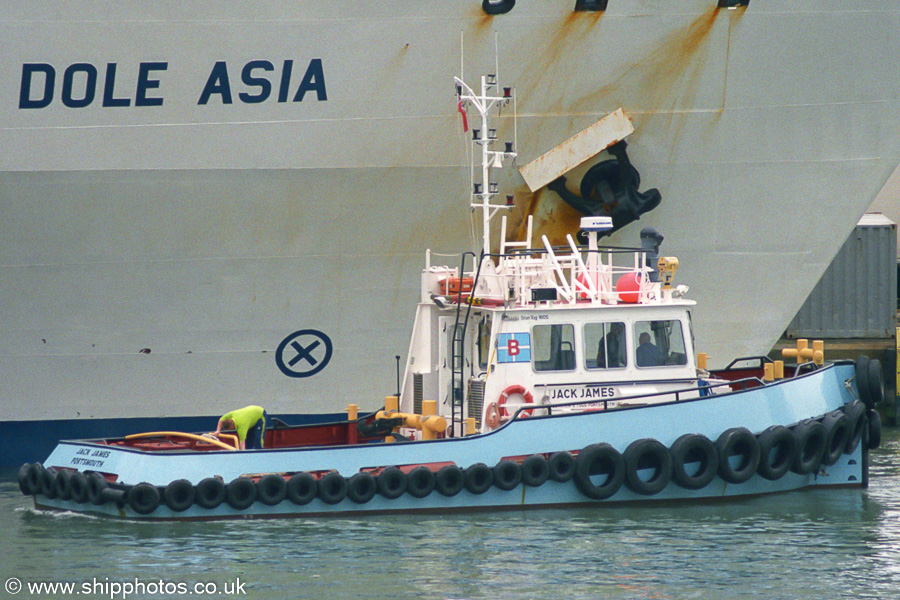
[(818, 544)]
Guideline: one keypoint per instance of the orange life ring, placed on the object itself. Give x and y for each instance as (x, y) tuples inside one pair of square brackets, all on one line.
[(515, 389)]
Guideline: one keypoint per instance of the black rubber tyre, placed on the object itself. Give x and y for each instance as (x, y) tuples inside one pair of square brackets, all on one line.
[(507, 475), (861, 370), (210, 493), (179, 495), (271, 489), (777, 452), (332, 488), (449, 480), (562, 466), (361, 488), (599, 459), (143, 498), (24, 483), (856, 416), (96, 483), (391, 483), (738, 455), (644, 454), (873, 439), (302, 488), (35, 476), (114, 495), (810, 437), (420, 482), (875, 383), (78, 487), (63, 481), (479, 478), (689, 449), (535, 471), (240, 493), (837, 435), (48, 482)]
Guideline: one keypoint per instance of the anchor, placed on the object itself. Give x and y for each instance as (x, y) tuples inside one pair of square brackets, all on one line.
[(610, 189)]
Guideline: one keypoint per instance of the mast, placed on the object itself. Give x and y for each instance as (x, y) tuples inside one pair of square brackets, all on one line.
[(483, 192)]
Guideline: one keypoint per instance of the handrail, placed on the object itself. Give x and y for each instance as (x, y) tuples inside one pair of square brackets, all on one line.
[(191, 436), (744, 382)]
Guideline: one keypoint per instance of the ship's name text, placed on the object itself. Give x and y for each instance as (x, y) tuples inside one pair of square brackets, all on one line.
[(80, 85)]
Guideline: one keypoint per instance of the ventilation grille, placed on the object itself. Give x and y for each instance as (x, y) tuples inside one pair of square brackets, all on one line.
[(476, 400), (418, 393)]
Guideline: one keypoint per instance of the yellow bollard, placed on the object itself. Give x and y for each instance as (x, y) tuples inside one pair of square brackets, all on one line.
[(779, 369), (470, 426), (352, 412), (802, 352), (701, 360), (818, 352), (768, 372), (429, 407), (391, 404)]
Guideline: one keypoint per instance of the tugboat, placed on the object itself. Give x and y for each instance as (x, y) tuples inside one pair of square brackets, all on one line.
[(537, 376)]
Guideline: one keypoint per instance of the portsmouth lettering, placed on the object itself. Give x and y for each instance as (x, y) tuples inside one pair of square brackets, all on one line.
[(83, 84)]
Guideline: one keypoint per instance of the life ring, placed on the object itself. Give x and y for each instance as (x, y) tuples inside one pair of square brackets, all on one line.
[(210, 492), (514, 390), (271, 489), (507, 475), (856, 415), (497, 7), (535, 470), (179, 495), (689, 449), (240, 493), (599, 459), (361, 487), (810, 446), (479, 478), (78, 487), (873, 438), (837, 434), (332, 488), (449, 480), (644, 454), (391, 483), (562, 466), (738, 455), (301, 488), (420, 482), (96, 483), (143, 498), (777, 452)]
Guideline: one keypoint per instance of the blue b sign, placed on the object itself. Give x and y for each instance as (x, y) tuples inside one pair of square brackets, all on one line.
[(514, 347)]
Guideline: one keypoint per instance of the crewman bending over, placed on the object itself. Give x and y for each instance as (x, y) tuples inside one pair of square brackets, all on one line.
[(249, 423)]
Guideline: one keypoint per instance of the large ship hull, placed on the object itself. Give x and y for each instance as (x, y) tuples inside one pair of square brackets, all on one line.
[(187, 193)]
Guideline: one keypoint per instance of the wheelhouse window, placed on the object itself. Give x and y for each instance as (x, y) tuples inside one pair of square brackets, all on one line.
[(659, 344), (604, 345), (553, 347)]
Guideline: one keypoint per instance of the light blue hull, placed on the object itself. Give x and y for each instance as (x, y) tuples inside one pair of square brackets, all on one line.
[(788, 403)]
